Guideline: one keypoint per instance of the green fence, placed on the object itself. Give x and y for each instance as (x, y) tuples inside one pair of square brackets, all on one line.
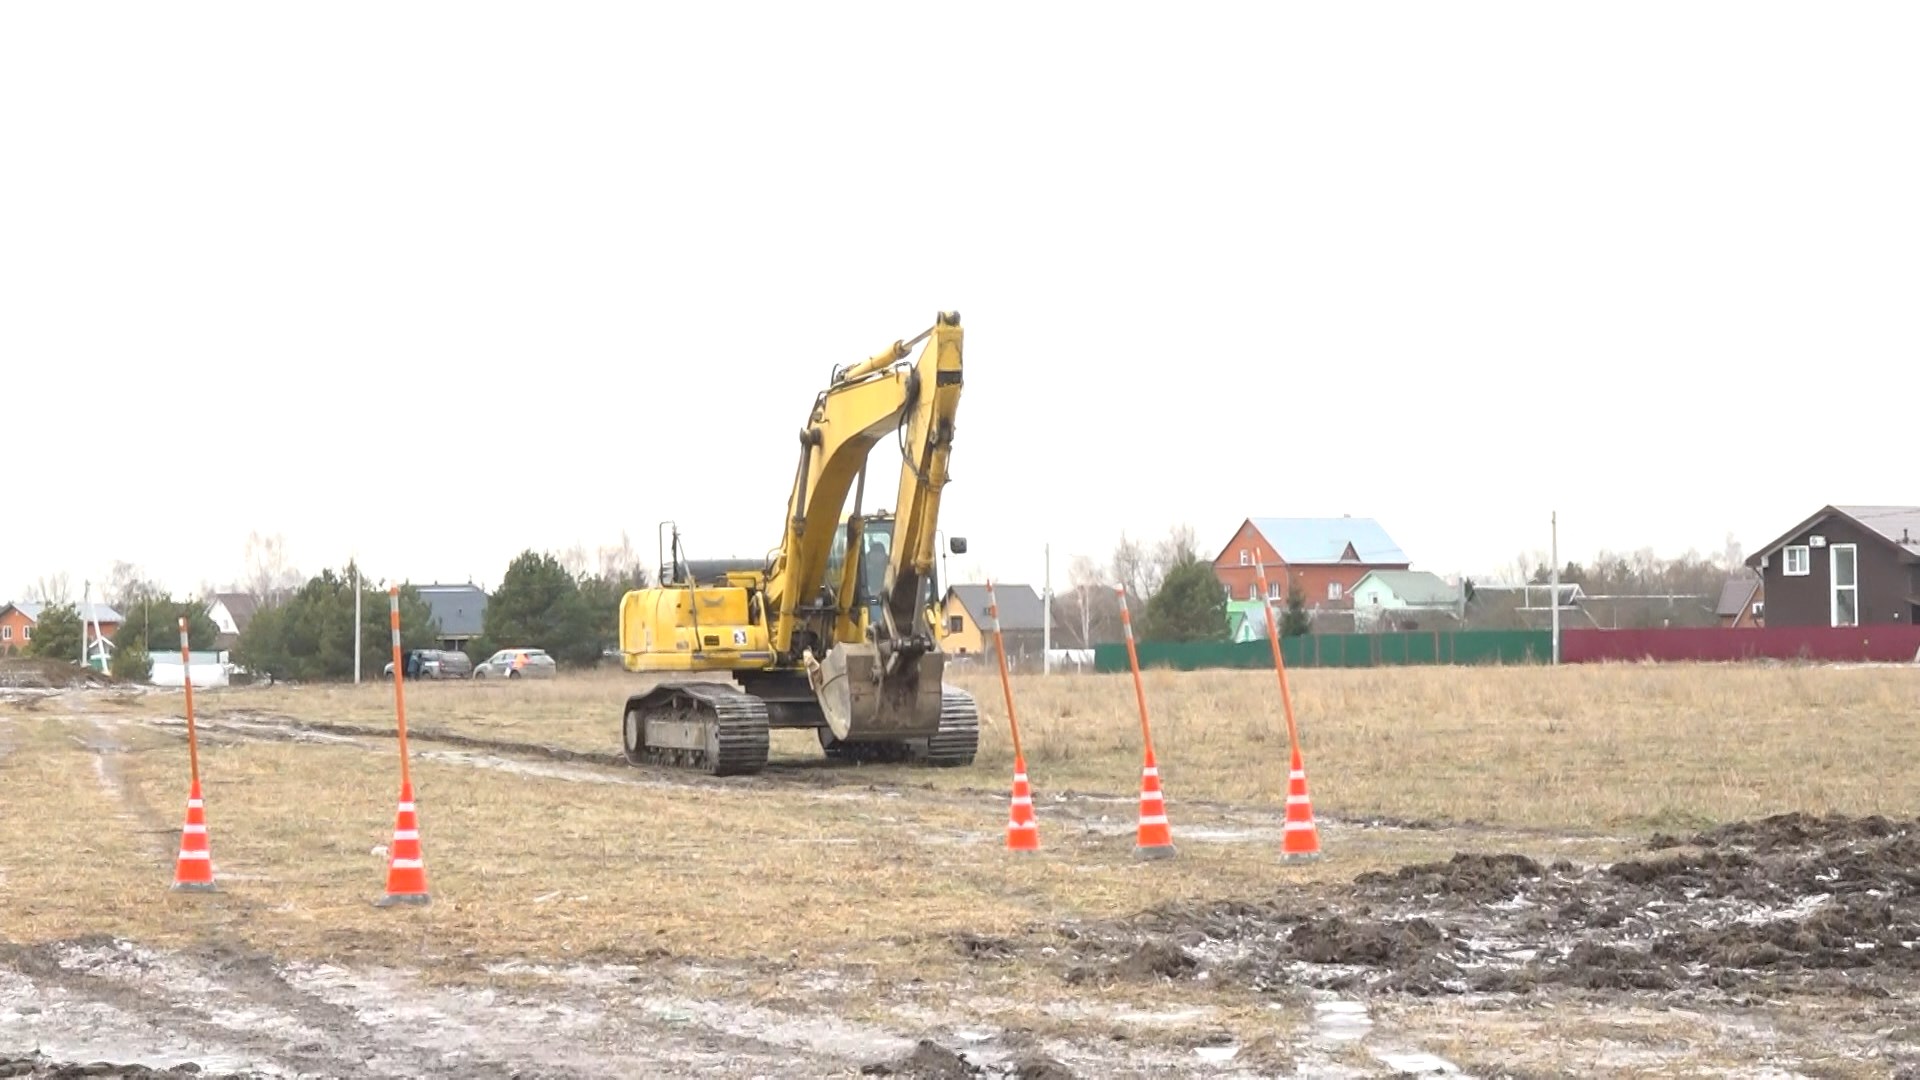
[(1341, 650)]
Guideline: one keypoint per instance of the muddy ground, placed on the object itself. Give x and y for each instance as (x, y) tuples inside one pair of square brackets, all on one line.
[(1788, 906), (1784, 946)]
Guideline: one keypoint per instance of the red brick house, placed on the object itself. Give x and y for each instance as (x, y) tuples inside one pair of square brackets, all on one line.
[(1844, 566), (17, 619), (1325, 557)]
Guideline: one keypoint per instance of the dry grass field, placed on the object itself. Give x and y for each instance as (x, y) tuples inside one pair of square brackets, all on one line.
[(1525, 872)]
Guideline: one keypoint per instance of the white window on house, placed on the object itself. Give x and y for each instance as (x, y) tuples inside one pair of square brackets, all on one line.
[(6, 633), (26, 633), (1253, 592), (1244, 560), (1795, 562), (1273, 590), (1844, 562), (1333, 590)]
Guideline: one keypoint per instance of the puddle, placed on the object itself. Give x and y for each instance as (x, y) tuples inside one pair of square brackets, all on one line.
[(1341, 1021), (1418, 1064)]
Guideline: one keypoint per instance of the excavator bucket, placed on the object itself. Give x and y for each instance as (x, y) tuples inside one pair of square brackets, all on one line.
[(862, 702)]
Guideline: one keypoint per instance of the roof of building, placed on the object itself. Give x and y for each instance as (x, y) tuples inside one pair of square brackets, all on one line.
[(1898, 525), (1529, 593), (459, 609), (1020, 606), (241, 606), (1414, 586), (1735, 595), (88, 612), (1327, 540)]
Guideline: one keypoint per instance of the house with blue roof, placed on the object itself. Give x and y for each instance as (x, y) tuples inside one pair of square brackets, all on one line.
[(1323, 557)]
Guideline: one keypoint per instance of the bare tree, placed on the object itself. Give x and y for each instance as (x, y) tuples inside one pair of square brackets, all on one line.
[(1526, 565), (573, 560), (51, 589), (619, 562), (268, 573), (126, 586), (1733, 556), (1087, 612), (1132, 567), (1178, 547)]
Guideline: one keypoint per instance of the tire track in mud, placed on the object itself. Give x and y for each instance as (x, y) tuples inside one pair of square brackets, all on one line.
[(820, 780), (138, 815), (1238, 821), (245, 976)]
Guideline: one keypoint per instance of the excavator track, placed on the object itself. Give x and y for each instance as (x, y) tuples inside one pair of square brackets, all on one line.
[(958, 739), (952, 746), (711, 727)]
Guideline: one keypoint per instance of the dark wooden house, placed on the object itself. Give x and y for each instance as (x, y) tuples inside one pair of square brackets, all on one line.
[(1844, 566)]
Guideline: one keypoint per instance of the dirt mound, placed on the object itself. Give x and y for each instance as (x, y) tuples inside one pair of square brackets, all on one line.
[(1466, 876), (42, 673), (41, 1068), (928, 1061), (1793, 830), (931, 1061), (1041, 1068), (1789, 904)]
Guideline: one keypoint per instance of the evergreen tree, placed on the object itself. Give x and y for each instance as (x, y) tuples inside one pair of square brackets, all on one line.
[(56, 633), (539, 605), (310, 637), (1189, 605), (1295, 621)]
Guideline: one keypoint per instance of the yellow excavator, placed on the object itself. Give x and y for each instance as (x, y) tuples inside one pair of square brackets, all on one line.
[(837, 628)]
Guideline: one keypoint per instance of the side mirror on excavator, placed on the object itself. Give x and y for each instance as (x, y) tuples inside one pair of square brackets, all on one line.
[(957, 545)]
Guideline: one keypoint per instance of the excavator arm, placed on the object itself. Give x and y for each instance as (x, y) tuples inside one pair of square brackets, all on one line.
[(870, 684)]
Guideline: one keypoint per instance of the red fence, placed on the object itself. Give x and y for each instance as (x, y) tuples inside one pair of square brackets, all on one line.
[(1886, 644)]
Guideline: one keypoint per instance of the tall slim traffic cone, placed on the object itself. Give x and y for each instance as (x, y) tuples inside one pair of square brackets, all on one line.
[(1301, 839), (1023, 830), (193, 870), (1155, 839), (406, 865)]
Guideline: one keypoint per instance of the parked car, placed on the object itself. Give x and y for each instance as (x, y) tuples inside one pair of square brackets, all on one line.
[(517, 663), (433, 664)]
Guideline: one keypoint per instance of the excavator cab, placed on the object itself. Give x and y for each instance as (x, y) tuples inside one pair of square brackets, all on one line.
[(877, 546)]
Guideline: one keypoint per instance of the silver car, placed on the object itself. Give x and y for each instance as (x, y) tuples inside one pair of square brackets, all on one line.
[(516, 664)]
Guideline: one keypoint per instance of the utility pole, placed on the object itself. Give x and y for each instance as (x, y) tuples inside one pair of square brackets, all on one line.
[(1554, 586), (1046, 614), (356, 622)]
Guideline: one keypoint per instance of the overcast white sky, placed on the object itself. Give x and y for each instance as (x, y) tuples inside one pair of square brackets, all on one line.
[(434, 283)]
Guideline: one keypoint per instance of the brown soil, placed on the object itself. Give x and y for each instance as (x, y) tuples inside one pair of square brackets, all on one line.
[(931, 1061), (42, 673), (928, 1061), (1788, 904)]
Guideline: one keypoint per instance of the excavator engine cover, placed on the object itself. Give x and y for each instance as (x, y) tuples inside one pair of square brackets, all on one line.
[(861, 705)]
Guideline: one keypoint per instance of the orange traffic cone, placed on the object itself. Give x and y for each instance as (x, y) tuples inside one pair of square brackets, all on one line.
[(1301, 839), (1023, 831), (406, 867), (193, 870), (1155, 840)]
